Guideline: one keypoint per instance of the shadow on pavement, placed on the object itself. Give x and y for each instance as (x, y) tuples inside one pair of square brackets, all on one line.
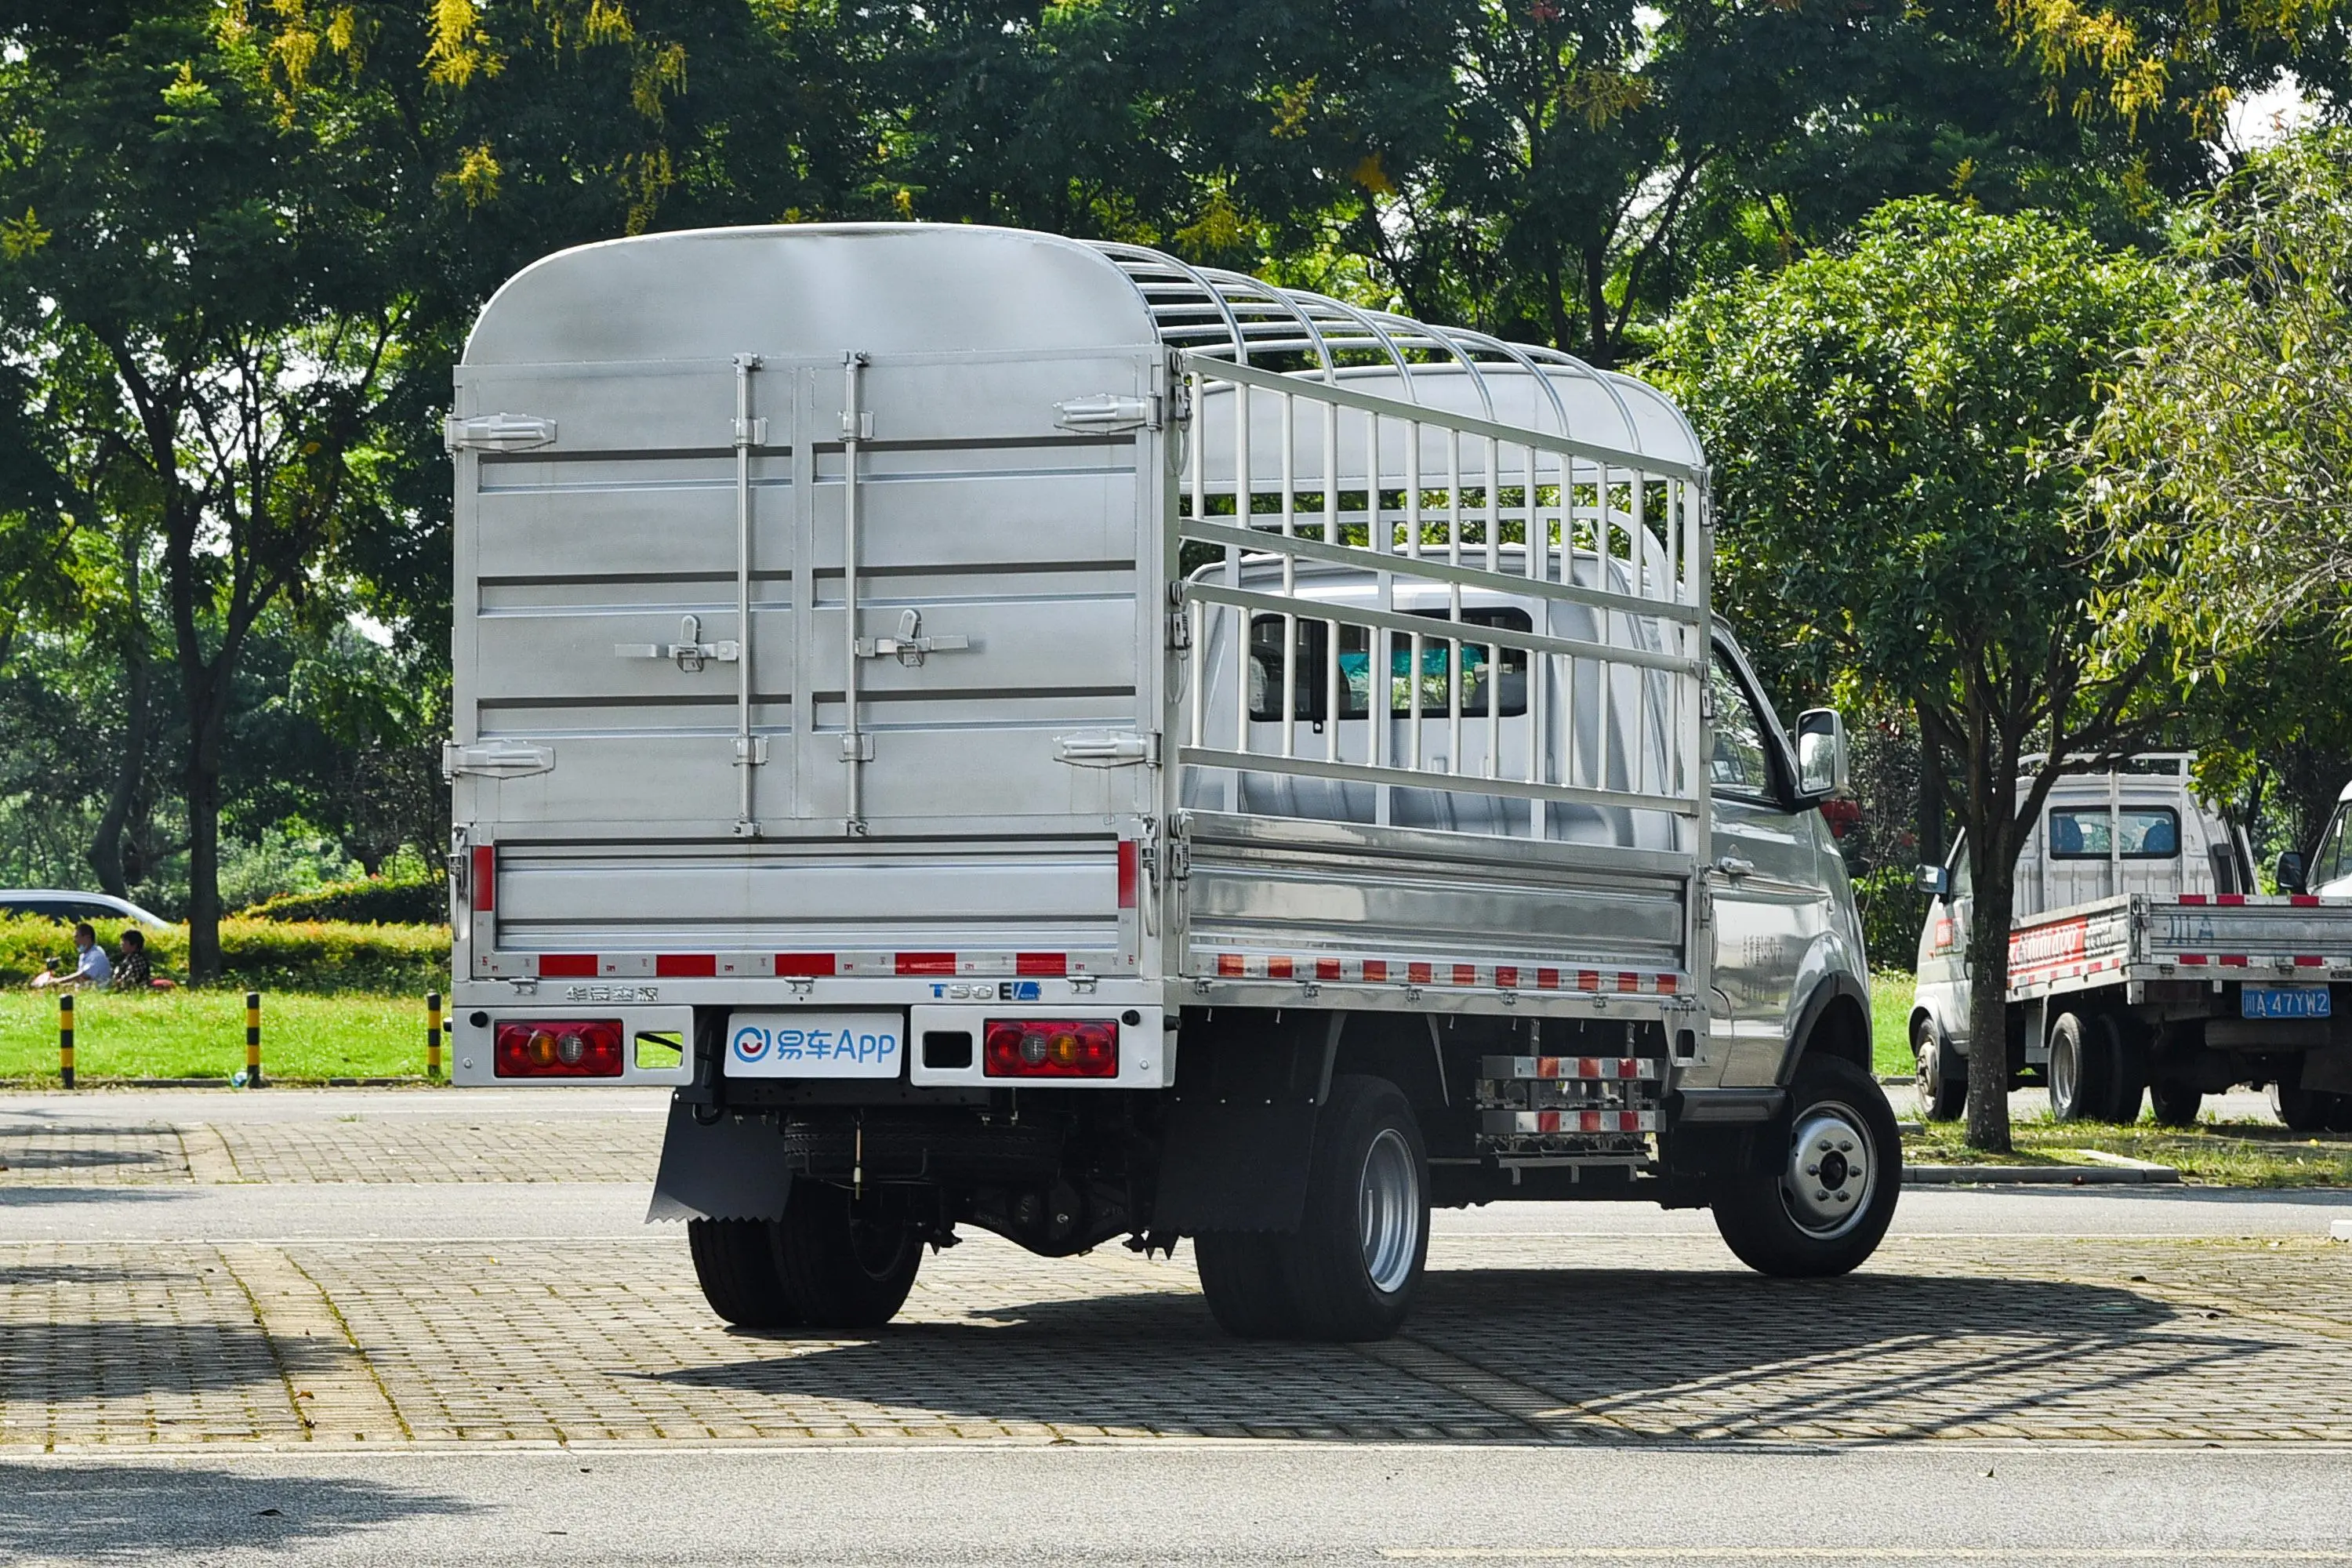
[(112, 1513), (1612, 1355), (72, 1362)]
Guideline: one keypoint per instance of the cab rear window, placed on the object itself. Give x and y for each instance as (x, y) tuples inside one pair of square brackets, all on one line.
[(1483, 679), (2141, 831)]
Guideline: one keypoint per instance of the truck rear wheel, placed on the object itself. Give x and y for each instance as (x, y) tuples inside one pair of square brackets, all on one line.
[(1363, 1236), (846, 1264), (1943, 1093), (2082, 1069), (735, 1260), (2302, 1110), (1828, 1204)]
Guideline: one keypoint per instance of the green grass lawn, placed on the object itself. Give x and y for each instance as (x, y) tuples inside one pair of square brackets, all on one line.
[(201, 1034), (1890, 1022)]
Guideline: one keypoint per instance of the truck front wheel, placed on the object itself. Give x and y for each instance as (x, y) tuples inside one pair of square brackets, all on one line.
[(2082, 1069), (1943, 1093), (1827, 1204)]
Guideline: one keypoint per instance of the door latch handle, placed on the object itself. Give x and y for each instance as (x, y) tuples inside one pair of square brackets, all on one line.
[(1733, 867), (690, 652), (910, 646)]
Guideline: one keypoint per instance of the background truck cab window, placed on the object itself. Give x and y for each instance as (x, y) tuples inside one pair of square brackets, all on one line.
[(2332, 861), (1510, 691), (2080, 833), (1736, 760)]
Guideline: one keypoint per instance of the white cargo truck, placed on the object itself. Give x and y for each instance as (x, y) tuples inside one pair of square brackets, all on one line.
[(2142, 960), (1036, 736)]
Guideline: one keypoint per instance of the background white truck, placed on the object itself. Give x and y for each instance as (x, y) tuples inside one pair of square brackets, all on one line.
[(2142, 961), (842, 739)]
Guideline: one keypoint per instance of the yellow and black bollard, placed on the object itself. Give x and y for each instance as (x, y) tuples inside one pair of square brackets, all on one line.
[(433, 1033), (65, 1038), (252, 1039)]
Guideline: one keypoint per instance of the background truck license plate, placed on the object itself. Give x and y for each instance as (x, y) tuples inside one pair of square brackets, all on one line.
[(2282, 1001)]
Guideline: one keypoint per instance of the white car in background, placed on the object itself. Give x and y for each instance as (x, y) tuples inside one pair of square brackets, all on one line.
[(61, 904)]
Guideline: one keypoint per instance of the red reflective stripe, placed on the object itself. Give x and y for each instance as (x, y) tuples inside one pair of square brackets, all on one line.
[(1376, 970), (686, 965), (2234, 960), (1667, 984), (2309, 961), (2232, 899), (567, 965), (1548, 979), (1327, 969), (1417, 973), (2196, 958), (926, 964), (1128, 860), (1507, 978), (1041, 964), (1628, 1067), (2304, 899), (1629, 981), (2193, 897), (805, 964), (1277, 969), (1466, 974), (1229, 963), (1588, 980), (486, 879)]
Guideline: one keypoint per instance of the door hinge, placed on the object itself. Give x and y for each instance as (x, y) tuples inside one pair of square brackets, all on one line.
[(1107, 412), (689, 652), (497, 433), (496, 759), (910, 646)]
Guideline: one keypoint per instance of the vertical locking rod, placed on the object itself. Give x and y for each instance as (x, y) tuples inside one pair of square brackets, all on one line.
[(252, 1039), (66, 1038), (433, 1036), (747, 756), (853, 741)]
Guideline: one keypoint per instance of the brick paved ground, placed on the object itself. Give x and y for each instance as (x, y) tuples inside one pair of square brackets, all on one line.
[(1518, 1338)]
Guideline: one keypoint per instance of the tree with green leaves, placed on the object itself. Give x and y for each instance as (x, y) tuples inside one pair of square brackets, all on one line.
[(1891, 426)]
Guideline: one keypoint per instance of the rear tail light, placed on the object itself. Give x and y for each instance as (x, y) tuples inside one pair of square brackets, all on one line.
[(1032, 1049), (564, 1049)]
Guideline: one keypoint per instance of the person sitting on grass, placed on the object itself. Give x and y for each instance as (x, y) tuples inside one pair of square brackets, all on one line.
[(130, 971), (93, 969)]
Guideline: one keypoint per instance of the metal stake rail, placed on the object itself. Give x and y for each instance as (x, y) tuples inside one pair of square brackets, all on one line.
[(1424, 498)]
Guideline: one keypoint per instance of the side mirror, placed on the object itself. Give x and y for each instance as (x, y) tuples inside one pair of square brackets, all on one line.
[(2289, 871), (1821, 753), (1936, 881)]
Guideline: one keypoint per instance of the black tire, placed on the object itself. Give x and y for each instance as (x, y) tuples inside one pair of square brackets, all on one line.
[(2339, 1114), (1777, 1230), (1244, 1276), (2175, 1103), (735, 1260), (1943, 1094), (2304, 1109), (2082, 1070), (2127, 1049), (1369, 1171), (845, 1264)]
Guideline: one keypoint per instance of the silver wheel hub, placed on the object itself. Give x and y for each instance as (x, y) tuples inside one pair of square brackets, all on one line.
[(1388, 1209), (1833, 1171)]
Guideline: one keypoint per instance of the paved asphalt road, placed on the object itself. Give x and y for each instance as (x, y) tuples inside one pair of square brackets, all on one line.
[(1142, 1501), (1190, 1503)]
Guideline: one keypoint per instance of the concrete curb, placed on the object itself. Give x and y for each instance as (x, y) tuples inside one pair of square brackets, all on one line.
[(2039, 1176)]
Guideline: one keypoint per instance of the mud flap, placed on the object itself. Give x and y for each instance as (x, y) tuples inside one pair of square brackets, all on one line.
[(1241, 1125), (732, 1169)]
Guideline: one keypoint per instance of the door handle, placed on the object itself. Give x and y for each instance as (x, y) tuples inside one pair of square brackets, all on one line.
[(1733, 867)]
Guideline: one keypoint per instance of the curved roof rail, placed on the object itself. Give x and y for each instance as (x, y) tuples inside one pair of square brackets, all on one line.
[(1231, 315)]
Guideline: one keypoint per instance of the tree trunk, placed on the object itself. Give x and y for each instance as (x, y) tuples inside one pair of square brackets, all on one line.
[(1931, 798), (1599, 348), (1993, 871), (204, 864), (106, 845)]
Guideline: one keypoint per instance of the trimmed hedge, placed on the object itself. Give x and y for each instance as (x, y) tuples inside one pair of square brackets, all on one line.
[(366, 901), (263, 955)]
